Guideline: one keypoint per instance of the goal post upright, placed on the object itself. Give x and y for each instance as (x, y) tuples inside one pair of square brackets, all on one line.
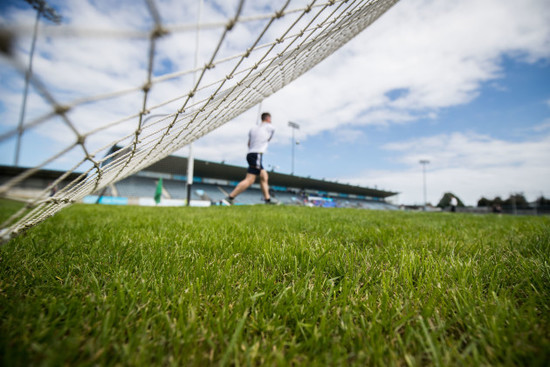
[(190, 158)]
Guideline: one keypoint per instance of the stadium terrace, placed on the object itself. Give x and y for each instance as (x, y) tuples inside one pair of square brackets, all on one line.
[(211, 182)]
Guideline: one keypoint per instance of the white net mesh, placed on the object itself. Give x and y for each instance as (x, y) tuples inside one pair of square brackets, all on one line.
[(280, 46)]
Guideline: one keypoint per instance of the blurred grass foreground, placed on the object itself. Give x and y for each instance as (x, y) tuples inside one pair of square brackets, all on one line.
[(255, 285)]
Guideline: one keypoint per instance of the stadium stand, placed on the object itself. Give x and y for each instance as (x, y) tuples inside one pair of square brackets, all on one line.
[(210, 192), (36, 184), (135, 186), (211, 184), (176, 190)]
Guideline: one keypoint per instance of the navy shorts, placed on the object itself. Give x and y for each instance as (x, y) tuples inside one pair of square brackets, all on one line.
[(254, 163)]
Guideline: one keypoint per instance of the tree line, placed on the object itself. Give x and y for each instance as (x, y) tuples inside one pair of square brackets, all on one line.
[(514, 201)]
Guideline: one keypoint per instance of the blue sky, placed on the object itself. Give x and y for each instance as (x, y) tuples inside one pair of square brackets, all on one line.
[(514, 109), (464, 84), (509, 109)]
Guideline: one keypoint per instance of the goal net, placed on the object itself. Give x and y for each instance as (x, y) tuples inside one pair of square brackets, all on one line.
[(249, 52)]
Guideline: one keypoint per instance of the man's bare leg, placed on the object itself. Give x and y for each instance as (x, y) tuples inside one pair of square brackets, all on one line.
[(243, 185), (264, 185)]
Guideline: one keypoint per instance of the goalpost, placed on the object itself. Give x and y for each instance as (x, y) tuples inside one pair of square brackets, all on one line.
[(282, 45)]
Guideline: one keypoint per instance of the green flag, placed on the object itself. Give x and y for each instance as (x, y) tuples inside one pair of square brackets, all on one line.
[(158, 192)]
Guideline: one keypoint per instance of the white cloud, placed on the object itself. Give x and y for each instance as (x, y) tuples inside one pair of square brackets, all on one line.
[(469, 165), (472, 150), (543, 126), (439, 51), (349, 136)]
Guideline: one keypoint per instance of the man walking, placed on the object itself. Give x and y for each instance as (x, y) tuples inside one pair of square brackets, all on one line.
[(454, 203), (258, 139)]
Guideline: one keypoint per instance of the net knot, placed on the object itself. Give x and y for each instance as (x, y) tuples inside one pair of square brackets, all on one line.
[(230, 76), (231, 24), (60, 200), (279, 14), (61, 110), (146, 87), (209, 66), (158, 32), (308, 8), (247, 53), (279, 40), (331, 2), (80, 139)]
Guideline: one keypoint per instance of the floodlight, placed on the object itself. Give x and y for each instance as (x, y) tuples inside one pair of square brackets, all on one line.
[(294, 127)]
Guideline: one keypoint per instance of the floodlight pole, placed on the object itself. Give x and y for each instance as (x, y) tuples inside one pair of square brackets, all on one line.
[(294, 127), (42, 9), (424, 162)]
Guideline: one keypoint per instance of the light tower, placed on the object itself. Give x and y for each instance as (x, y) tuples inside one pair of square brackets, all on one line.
[(294, 127), (42, 9), (424, 162)]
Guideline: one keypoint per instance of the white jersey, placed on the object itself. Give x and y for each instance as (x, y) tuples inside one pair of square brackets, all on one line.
[(259, 136)]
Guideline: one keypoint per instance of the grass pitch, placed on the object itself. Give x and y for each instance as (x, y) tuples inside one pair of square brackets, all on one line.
[(255, 285)]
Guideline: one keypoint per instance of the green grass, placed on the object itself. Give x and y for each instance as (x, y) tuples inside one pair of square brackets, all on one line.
[(100, 285)]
